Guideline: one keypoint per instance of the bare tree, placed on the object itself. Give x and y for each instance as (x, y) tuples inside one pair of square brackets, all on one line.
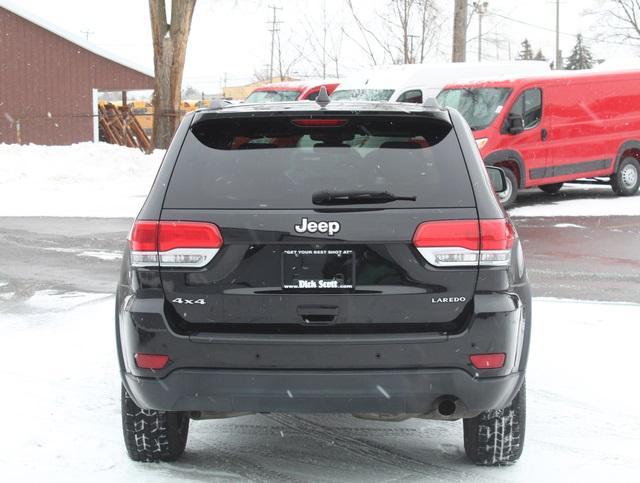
[(169, 51), (460, 25), (622, 19), (321, 44), (401, 21)]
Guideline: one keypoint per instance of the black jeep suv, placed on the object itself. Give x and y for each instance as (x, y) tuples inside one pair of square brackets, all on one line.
[(324, 257)]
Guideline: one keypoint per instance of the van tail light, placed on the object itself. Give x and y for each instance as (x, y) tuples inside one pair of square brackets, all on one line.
[(465, 243), (173, 243)]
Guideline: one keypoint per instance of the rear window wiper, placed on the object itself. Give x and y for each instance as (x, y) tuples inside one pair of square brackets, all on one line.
[(355, 197)]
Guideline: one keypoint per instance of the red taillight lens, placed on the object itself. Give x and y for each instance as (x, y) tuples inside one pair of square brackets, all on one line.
[(496, 234), (144, 236), (488, 361), (448, 233), (179, 234), (174, 243), (449, 243), (151, 361), (319, 122)]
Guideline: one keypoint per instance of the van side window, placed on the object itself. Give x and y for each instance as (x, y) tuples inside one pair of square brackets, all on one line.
[(529, 106), (414, 96)]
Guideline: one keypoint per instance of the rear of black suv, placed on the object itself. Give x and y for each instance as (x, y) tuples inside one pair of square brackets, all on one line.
[(349, 259)]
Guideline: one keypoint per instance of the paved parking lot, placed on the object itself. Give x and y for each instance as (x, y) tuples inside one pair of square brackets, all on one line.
[(589, 258)]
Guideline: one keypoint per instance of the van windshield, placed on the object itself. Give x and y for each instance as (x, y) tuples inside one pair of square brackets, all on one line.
[(272, 96), (479, 106), (362, 95)]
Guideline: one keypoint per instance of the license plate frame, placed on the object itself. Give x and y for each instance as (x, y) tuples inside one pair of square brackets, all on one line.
[(318, 269)]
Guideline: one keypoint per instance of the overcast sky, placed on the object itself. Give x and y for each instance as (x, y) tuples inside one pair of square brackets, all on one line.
[(230, 37)]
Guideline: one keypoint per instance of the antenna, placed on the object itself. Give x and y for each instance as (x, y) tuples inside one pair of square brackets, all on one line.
[(323, 98)]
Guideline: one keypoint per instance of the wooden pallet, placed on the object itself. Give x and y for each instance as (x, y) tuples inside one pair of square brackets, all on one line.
[(120, 126)]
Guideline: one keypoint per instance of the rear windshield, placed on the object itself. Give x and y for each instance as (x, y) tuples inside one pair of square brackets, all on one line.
[(479, 106), (280, 162), (272, 96)]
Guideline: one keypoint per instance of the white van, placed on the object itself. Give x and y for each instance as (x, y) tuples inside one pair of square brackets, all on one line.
[(416, 82)]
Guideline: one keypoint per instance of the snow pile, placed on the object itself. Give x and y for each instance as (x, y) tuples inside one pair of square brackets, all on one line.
[(60, 377), (580, 201), (86, 179)]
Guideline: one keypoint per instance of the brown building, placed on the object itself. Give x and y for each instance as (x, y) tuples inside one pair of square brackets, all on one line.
[(49, 81)]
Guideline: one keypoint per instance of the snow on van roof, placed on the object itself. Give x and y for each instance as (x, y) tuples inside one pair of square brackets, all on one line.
[(402, 76), (297, 84), (71, 37), (552, 74)]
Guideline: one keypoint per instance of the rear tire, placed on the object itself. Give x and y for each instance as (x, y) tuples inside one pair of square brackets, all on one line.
[(551, 189), (151, 435), (626, 180), (508, 197), (496, 437)]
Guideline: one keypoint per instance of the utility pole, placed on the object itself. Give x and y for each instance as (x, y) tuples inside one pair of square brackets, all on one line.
[(558, 53), (87, 33), (274, 23), (459, 53), (481, 9)]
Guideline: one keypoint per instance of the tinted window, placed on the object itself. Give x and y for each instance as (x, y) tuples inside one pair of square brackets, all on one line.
[(414, 96), (529, 106), (276, 163), (479, 106)]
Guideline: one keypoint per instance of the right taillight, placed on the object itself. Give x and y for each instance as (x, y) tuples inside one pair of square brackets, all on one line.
[(173, 243), (460, 243)]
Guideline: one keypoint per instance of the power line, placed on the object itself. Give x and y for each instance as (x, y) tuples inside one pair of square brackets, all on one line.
[(522, 22)]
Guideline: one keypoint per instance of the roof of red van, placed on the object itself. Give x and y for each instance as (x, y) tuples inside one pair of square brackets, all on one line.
[(296, 85), (553, 77)]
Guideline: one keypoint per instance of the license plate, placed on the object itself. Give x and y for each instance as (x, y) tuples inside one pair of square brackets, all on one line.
[(318, 269)]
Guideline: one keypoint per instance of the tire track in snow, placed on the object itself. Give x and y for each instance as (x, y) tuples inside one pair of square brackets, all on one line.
[(370, 451), (223, 458)]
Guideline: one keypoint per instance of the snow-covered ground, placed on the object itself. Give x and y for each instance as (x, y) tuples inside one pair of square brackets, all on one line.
[(103, 180), (60, 402), (87, 179), (597, 201)]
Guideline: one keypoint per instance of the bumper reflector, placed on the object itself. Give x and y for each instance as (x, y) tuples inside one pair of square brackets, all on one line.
[(488, 361), (151, 361)]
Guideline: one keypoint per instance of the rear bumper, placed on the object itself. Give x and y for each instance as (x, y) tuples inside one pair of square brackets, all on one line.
[(385, 373), (391, 392)]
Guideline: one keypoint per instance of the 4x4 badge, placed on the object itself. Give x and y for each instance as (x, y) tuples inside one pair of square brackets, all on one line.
[(328, 227)]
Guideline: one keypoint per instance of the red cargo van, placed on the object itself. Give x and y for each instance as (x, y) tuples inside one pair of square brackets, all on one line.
[(555, 128)]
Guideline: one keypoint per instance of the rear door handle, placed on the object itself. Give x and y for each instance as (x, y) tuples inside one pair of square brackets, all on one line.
[(318, 314), (543, 134)]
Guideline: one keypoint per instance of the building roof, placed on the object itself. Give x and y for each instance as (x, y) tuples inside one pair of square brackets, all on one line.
[(71, 37)]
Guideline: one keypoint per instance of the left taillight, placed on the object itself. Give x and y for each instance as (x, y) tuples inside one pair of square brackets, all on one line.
[(173, 243)]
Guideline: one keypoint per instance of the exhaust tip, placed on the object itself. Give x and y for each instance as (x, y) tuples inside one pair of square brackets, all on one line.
[(447, 407)]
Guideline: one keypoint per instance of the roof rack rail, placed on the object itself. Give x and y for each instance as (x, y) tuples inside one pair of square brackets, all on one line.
[(323, 98), (432, 103)]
